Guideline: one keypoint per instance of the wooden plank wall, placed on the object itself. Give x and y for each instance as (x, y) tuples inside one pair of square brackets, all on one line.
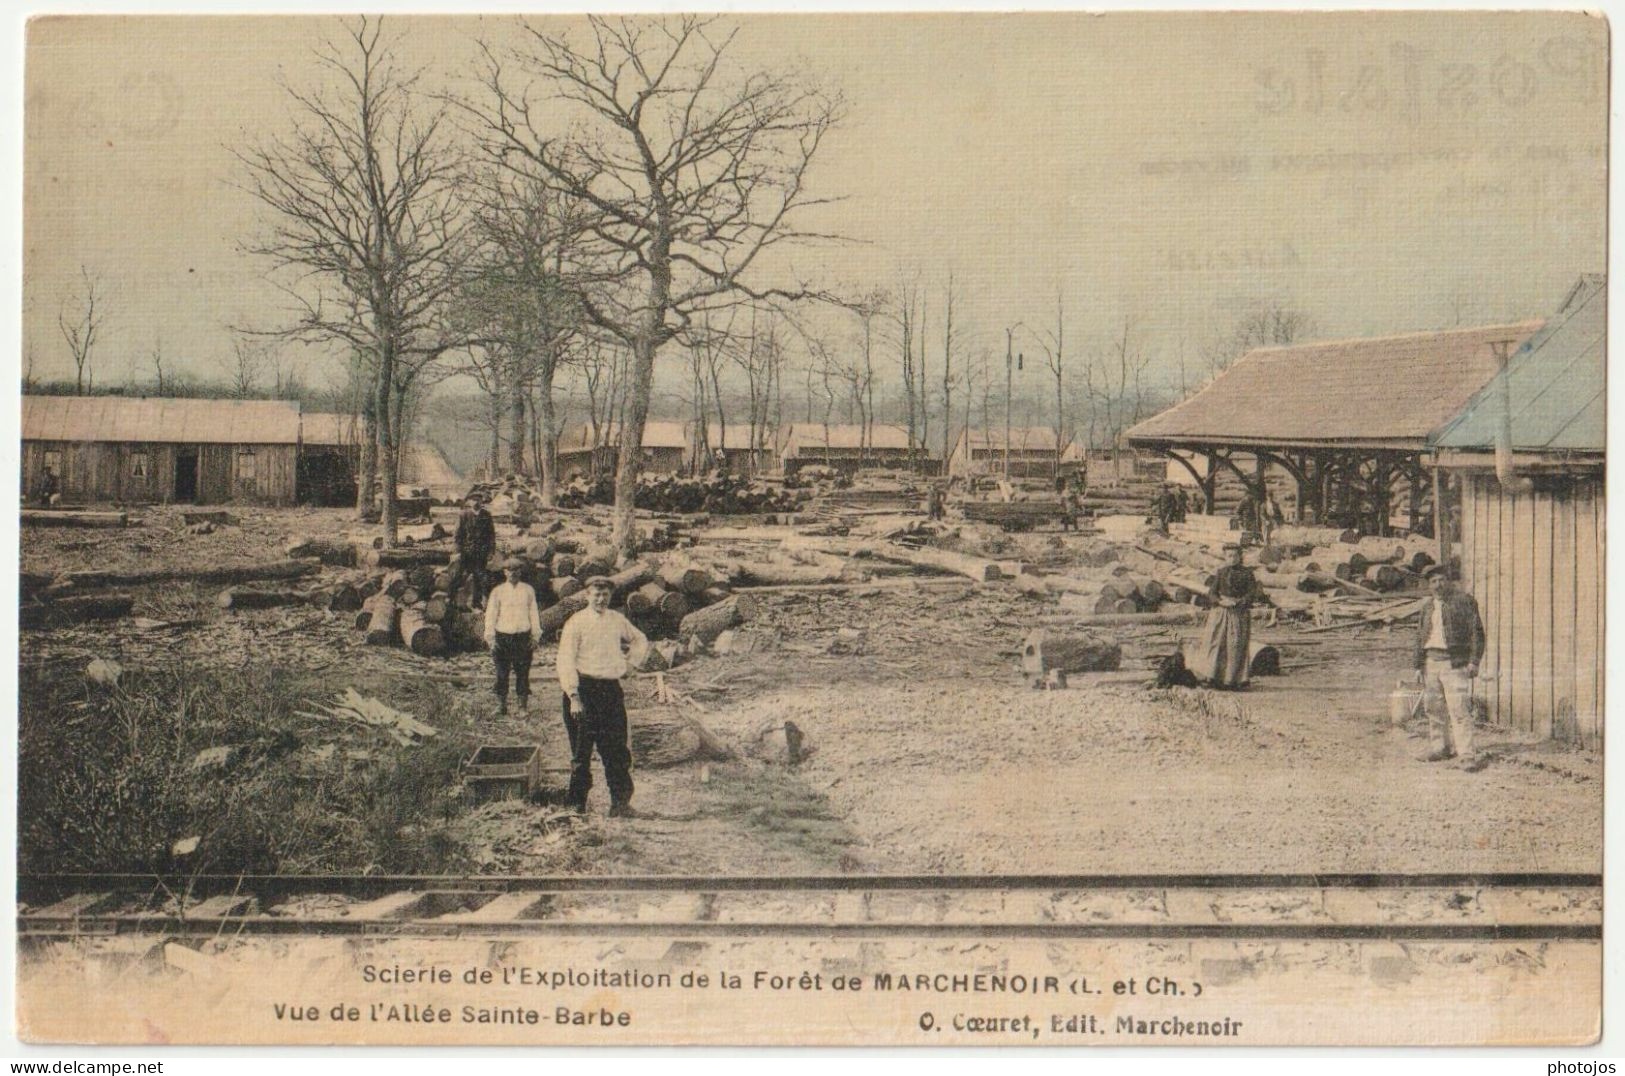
[(1535, 563), (98, 472)]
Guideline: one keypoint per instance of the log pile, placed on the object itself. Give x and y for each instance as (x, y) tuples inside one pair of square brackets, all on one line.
[(717, 493), (431, 611)]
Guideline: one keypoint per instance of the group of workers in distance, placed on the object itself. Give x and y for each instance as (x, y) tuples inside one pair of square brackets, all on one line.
[(598, 646)]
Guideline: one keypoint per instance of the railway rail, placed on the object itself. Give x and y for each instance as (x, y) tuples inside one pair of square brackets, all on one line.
[(1465, 907)]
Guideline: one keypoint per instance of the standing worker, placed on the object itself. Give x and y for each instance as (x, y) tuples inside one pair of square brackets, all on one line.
[(591, 665), (1449, 647), (476, 540), (1226, 649), (513, 627)]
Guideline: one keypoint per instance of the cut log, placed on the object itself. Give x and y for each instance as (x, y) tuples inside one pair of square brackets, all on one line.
[(339, 554), (714, 594), (1044, 651), (646, 599), (422, 578), (564, 564), (562, 586), (706, 624), (1106, 603), (629, 579), (437, 609), (538, 550), (674, 606), (942, 560), (43, 517), (225, 576), (395, 584), (1293, 535), (1384, 577), (381, 612), (257, 598), (778, 574), (407, 558), (416, 535), (554, 616), (420, 636), (65, 611), (1085, 618), (1263, 660)]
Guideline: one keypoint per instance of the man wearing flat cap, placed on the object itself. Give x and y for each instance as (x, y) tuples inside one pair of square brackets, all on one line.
[(1449, 647), (513, 627), (596, 648)]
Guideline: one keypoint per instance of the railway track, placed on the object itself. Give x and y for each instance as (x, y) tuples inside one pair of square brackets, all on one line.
[(1465, 907)]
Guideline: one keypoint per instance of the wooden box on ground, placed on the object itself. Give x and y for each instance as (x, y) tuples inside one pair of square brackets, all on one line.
[(502, 773)]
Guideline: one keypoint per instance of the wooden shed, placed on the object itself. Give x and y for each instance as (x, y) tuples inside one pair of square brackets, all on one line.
[(851, 447), (581, 455), (1348, 420), (1031, 453), (145, 450), (1532, 529)]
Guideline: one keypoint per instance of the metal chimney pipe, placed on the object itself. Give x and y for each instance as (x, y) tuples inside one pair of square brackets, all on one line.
[(1504, 473)]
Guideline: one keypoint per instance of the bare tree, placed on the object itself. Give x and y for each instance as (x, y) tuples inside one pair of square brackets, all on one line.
[(84, 326), (245, 367), (365, 215), (1053, 345), (1113, 382), (1268, 324), (685, 171), (517, 296), (948, 370), (156, 357)]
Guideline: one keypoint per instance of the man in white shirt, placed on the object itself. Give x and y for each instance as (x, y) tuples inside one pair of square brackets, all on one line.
[(513, 627), (1449, 646), (591, 665)]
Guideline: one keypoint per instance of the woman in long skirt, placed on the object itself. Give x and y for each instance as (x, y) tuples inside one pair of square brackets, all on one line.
[(1223, 657)]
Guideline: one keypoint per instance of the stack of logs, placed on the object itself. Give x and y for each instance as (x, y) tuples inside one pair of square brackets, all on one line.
[(428, 606)]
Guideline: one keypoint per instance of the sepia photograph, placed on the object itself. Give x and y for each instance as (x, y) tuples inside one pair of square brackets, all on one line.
[(917, 529)]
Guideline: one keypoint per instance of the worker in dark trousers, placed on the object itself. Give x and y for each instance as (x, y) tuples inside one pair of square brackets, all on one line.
[(513, 627), (596, 649), (476, 541)]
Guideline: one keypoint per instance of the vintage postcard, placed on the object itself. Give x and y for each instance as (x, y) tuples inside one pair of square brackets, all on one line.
[(933, 529)]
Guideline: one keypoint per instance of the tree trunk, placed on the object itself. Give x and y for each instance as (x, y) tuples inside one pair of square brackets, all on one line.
[(367, 481), (706, 624), (381, 612), (419, 635), (246, 573), (550, 440), (624, 534), (256, 598), (388, 461), (516, 421), (66, 611)]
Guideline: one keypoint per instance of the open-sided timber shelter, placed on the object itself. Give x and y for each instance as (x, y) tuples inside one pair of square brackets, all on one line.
[(1531, 521), (1349, 420), (141, 450)]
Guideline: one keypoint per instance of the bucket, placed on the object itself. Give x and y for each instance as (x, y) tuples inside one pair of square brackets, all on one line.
[(1404, 702)]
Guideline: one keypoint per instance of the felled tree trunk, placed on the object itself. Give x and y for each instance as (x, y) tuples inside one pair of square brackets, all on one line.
[(257, 598), (381, 612), (247, 573), (66, 611), (421, 637), (554, 616), (327, 550), (706, 624), (41, 517)]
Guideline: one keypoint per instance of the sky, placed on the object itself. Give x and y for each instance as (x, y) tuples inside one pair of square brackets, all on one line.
[(1381, 173)]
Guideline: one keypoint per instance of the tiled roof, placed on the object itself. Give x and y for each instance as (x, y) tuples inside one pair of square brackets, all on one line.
[(1382, 389), (1557, 384), (160, 419)]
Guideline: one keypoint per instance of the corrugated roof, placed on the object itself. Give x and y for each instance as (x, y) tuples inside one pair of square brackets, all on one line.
[(815, 435), (151, 419), (1382, 389), (1557, 384)]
